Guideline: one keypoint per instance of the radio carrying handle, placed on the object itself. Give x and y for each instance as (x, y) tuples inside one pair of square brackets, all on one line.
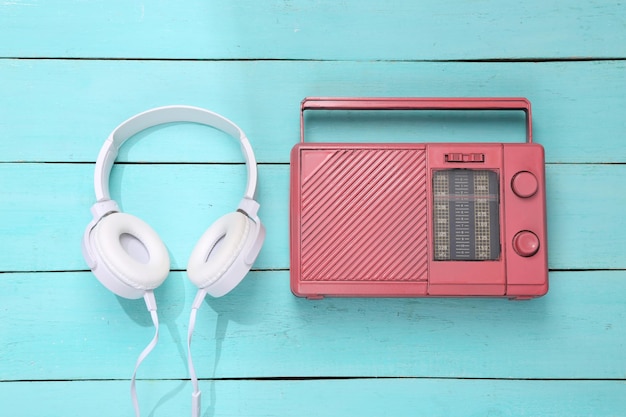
[(406, 103)]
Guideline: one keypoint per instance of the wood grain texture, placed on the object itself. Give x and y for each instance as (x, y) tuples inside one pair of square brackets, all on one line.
[(66, 326), (325, 29), (63, 110), (321, 398), (72, 70), (49, 209)]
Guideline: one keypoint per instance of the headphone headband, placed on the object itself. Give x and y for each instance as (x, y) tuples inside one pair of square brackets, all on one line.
[(128, 257), (163, 115)]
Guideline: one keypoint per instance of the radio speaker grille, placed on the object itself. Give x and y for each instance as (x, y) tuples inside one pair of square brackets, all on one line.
[(364, 217)]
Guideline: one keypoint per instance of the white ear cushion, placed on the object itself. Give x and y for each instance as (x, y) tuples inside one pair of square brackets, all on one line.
[(132, 272), (209, 262)]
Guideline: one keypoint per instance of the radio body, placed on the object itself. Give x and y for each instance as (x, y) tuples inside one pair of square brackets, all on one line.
[(417, 220)]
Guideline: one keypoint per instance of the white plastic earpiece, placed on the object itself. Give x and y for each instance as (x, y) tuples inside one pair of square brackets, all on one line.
[(132, 250)]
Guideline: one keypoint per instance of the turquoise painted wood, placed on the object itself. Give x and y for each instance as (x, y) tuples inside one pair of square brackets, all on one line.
[(353, 397), (63, 110), (71, 70), (49, 214), (325, 29), (260, 330)]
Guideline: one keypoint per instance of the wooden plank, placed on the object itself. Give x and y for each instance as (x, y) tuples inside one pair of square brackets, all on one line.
[(63, 110), (49, 209), (66, 326), (327, 29), (370, 397), (67, 345), (584, 205)]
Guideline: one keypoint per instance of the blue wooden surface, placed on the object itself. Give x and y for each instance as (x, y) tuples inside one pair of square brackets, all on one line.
[(71, 70)]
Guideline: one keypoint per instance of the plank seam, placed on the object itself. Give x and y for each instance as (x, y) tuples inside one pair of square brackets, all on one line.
[(266, 163), (65, 271), (321, 378), (240, 59)]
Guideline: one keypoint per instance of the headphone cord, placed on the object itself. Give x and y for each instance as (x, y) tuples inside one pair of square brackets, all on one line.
[(151, 305), (195, 395)]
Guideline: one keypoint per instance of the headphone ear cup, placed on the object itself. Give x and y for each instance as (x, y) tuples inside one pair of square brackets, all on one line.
[(131, 251), (218, 248)]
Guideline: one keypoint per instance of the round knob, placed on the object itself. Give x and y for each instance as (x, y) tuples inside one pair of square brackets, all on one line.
[(524, 184), (526, 243)]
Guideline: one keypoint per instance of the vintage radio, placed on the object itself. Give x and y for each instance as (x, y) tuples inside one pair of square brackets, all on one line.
[(418, 219)]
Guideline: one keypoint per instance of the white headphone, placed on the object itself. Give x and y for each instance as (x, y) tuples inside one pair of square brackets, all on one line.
[(128, 257)]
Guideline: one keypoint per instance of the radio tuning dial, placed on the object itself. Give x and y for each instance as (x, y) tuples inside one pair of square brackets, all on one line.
[(526, 243), (524, 184)]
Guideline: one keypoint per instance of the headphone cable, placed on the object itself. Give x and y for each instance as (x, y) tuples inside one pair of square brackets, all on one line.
[(195, 395), (152, 308)]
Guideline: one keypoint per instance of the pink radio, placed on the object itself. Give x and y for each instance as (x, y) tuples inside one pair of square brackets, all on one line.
[(418, 219)]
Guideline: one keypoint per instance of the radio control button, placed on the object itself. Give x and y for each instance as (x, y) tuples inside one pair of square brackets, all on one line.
[(524, 184), (526, 243)]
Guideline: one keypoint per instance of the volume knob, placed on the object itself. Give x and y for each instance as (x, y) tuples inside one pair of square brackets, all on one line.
[(524, 184), (526, 243)]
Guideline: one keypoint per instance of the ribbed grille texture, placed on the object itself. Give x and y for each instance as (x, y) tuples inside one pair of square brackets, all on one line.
[(363, 217)]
